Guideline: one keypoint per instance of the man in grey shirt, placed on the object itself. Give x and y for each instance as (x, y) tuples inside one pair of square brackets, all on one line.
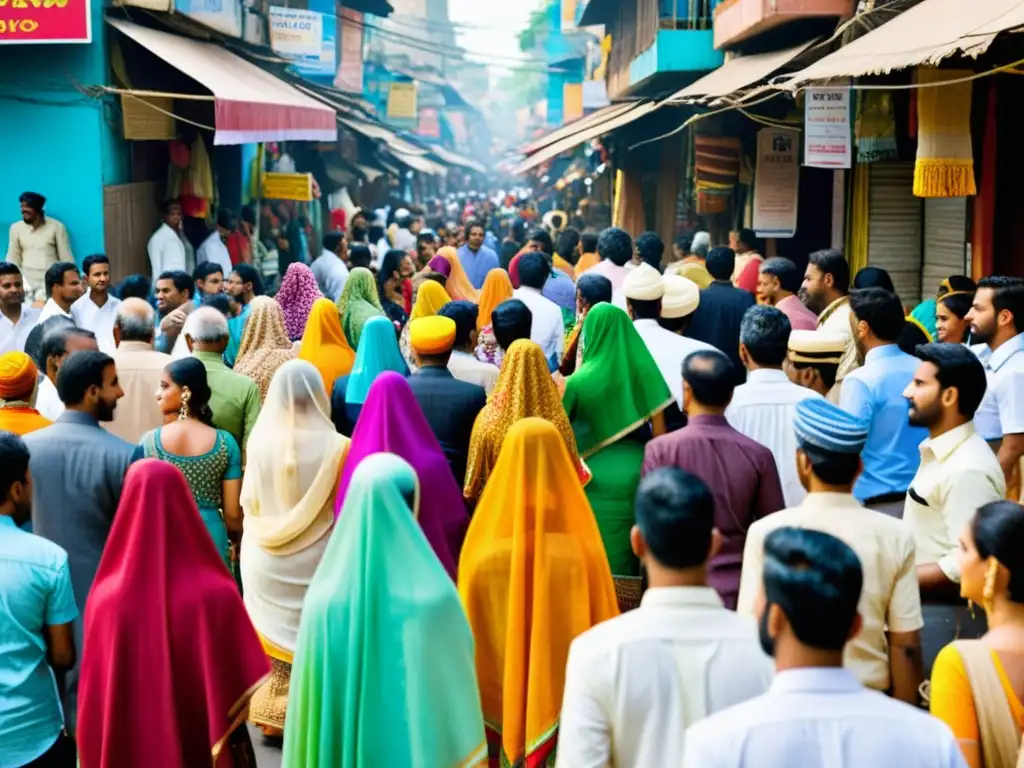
[(79, 469)]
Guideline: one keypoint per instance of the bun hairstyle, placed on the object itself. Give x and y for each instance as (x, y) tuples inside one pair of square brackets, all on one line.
[(998, 531), (189, 372)]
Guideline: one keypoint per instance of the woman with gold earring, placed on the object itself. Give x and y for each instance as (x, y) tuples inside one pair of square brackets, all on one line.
[(977, 686), (208, 457)]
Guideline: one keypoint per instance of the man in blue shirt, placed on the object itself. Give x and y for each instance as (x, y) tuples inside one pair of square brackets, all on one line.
[(476, 258), (875, 392), (37, 608)]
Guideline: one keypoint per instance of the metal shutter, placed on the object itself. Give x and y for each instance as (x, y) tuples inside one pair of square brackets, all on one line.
[(894, 227), (945, 230)]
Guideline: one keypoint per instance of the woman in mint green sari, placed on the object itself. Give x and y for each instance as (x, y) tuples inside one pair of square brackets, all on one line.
[(610, 400), (358, 303), (382, 636)]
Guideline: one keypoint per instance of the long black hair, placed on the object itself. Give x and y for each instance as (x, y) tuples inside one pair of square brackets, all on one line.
[(998, 531), (189, 372)]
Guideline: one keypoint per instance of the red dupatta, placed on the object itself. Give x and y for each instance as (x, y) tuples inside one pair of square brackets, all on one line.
[(170, 658)]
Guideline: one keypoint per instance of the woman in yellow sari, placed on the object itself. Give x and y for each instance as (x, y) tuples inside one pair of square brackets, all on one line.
[(524, 389), (324, 344), (459, 285), (429, 300), (497, 288), (533, 576)]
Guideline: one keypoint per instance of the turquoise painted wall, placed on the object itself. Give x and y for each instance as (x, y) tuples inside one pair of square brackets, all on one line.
[(58, 142), (677, 50)]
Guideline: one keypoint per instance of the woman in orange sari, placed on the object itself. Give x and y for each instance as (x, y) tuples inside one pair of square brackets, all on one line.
[(533, 558), (497, 288), (458, 285), (324, 344)]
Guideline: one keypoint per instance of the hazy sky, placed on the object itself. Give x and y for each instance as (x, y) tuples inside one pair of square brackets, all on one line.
[(495, 26)]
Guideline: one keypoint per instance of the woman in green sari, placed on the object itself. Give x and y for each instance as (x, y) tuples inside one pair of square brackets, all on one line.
[(610, 400), (358, 302), (382, 636)]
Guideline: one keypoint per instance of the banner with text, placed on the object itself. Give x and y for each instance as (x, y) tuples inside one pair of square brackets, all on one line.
[(49, 21), (776, 182), (306, 37), (827, 137), (350, 68)]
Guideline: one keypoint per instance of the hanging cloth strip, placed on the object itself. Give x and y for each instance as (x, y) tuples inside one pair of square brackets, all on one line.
[(945, 161)]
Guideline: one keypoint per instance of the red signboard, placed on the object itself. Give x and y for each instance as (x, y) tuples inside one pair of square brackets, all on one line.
[(45, 21)]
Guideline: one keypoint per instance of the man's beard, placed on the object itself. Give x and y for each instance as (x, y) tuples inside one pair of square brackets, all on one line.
[(810, 302), (105, 411), (920, 417), (981, 335)]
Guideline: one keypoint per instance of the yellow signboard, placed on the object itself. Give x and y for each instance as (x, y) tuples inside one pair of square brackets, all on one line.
[(402, 101), (288, 186)]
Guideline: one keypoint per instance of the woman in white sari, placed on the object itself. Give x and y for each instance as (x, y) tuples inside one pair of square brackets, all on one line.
[(295, 458)]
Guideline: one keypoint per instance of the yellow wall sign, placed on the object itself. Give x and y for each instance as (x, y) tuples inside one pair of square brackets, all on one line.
[(288, 186), (402, 101)]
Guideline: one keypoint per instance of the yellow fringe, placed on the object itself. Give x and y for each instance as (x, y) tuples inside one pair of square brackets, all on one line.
[(944, 177)]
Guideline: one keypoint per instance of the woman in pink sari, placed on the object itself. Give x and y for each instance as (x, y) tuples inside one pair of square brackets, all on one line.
[(172, 657)]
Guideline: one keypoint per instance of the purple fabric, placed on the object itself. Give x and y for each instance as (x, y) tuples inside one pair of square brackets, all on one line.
[(441, 265), (742, 477), (391, 422), (560, 289), (297, 294)]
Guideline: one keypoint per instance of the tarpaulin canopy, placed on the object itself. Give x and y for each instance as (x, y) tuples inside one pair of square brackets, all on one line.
[(737, 73)]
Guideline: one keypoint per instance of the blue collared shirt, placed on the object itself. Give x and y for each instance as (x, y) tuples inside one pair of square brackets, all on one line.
[(478, 264), (35, 591), (1002, 409), (875, 392)]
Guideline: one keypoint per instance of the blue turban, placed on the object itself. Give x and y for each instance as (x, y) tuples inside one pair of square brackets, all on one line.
[(820, 424)]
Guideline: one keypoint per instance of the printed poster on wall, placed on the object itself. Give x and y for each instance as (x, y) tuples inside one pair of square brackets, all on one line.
[(402, 101), (350, 68), (827, 137), (50, 22), (776, 182), (306, 37)]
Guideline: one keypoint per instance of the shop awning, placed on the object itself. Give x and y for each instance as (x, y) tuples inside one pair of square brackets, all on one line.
[(454, 158), (638, 110), (250, 104), (420, 163), (580, 124), (735, 74), (925, 34)]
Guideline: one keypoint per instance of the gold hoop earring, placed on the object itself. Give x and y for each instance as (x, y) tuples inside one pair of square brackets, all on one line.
[(186, 395), (989, 593)]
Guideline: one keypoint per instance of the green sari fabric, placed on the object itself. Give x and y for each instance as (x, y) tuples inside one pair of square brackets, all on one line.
[(384, 672), (617, 387), (358, 303)]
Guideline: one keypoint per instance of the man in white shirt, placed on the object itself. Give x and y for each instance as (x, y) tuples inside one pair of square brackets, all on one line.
[(816, 713), (56, 347), (36, 242), (643, 290), (96, 311), (166, 248), (548, 330), (997, 319), (214, 248), (329, 268), (463, 363), (634, 683), (826, 292), (764, 408), (63, 287), (16, 319), (958, 474), (615, 247), (886, 653)]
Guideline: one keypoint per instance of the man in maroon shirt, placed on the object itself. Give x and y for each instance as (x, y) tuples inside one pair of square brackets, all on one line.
[(741, 473)]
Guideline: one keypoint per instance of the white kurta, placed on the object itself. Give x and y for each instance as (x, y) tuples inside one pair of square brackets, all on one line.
[(166, 251), (99, 320), (213, 249), (669, 350), (548, 329)]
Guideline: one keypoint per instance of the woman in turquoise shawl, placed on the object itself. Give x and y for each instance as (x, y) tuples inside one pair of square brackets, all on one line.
[(610, 399), (378, 352), (382, 637), (358, 303)]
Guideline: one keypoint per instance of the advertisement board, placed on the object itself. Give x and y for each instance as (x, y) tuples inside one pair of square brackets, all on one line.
[(46, 21), (306, 37)]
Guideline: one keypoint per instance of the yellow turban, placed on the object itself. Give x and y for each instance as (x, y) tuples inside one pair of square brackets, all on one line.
[(432, 335), (17, 376)]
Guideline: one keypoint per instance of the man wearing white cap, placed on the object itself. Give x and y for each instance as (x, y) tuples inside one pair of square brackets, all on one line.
[(681, 299), (644, 290), (813, 361)]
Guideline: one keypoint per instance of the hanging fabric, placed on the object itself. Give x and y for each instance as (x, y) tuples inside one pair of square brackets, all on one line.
[(945, 160)]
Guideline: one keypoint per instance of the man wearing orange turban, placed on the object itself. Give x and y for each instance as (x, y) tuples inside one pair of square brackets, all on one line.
[(18, 377)]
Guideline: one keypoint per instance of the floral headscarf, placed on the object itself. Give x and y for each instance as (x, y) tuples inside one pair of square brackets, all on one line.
[(296, 296), (265, 344)]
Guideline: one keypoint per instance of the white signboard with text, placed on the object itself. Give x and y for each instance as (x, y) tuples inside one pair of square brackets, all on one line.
[(827, 138), (776, 182)]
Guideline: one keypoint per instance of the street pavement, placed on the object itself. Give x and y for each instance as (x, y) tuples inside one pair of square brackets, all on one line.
[(268, 751)]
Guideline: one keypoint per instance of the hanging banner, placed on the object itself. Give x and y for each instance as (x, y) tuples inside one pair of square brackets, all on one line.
[(288, 186), (827, 137), (54, 21), (306, 37), (776, 182), (402, 101), (350, 69), (429, 123)]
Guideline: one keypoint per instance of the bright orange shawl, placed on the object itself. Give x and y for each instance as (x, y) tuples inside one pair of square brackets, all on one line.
[(324, 344), (497, 288), (587, 261), (458, 285), (21, 420), (533, 576)]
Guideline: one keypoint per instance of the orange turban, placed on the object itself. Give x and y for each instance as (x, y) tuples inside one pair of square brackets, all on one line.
[(17, 376), (432, 335)]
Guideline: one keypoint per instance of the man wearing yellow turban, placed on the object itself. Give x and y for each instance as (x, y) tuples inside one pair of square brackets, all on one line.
[(450, 405), (18, 377)]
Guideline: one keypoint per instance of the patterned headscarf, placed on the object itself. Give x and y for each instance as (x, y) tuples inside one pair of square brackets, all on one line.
[(265, 344), (359, 301), (296, 296)]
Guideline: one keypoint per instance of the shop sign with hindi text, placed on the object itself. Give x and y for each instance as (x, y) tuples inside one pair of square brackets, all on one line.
[(827, 137), (45, 21), (306, 37), (776, 182)]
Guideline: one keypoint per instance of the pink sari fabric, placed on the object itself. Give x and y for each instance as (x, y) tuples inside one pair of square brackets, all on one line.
[(391, 422), (296, 296), (171, 657)]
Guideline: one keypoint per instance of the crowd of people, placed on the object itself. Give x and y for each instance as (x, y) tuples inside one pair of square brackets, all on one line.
[(571, 499)]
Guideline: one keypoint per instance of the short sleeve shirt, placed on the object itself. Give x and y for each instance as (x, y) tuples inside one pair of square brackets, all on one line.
[(35, 591), (1002, 410)]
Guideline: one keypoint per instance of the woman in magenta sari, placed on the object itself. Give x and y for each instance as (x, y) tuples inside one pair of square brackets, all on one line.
[(391, 422), (172, 657)]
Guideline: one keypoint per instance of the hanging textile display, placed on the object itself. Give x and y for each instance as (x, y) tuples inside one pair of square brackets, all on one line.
[(716, 170), (945, 160), (875, 128)]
